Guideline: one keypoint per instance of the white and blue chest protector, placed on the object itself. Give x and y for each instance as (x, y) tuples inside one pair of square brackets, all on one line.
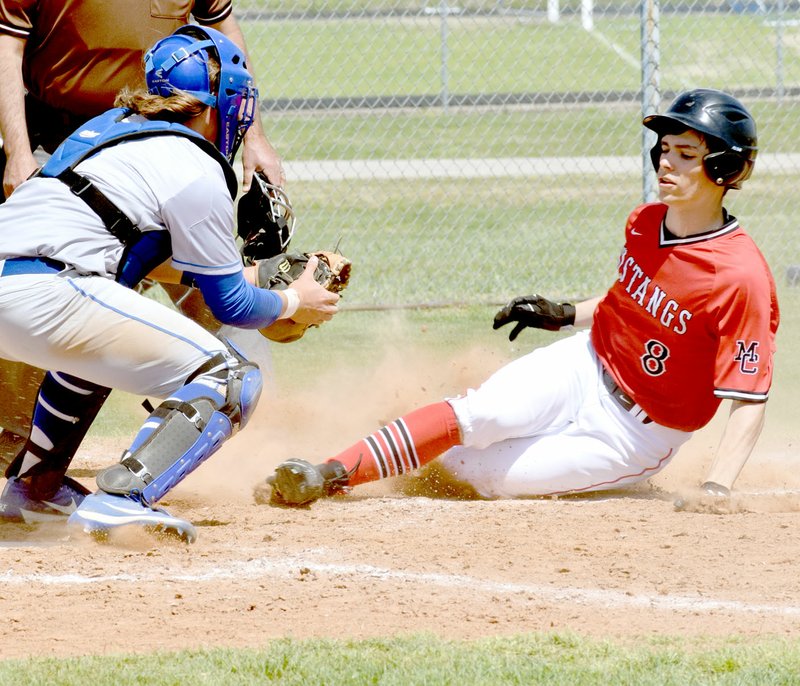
[(143, 250)]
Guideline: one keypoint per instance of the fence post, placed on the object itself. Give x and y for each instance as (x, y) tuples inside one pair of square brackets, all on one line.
[(779, 81), (553, 11), (651, 95), (587, 11), (443, 11)]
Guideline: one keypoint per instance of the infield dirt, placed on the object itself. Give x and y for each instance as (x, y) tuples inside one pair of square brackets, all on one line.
[(409, 555)]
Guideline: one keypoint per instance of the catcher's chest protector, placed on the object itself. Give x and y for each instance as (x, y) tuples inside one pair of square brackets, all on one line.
[(111, 128), (144, 250)]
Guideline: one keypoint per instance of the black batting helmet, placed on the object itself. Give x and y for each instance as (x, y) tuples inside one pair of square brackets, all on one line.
[(729, 130)]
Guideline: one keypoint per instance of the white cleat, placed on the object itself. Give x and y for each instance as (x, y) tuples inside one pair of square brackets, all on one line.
[(101, 513)]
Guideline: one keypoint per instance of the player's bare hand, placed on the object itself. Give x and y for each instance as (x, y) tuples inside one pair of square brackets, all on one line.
[(536, 312), (259, 155), (317, 304), (18, 169)]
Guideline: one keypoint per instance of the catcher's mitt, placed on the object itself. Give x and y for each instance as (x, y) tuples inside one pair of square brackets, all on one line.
[(279, 272), (265, 220)]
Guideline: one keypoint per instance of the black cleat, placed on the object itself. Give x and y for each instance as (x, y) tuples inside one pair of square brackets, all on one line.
[(298, 482)]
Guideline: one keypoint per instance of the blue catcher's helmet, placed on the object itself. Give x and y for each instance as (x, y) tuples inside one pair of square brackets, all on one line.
[(179, 62)]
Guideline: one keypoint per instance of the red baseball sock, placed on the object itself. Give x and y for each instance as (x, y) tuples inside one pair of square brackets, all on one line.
[(406, 444)]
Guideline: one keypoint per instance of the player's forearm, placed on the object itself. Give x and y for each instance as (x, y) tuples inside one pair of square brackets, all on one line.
[(257, 152), (234, 301), (584, 312), (12, 96), (745, 422)]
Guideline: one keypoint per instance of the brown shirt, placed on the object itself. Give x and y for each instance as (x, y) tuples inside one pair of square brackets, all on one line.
[(79, 53)]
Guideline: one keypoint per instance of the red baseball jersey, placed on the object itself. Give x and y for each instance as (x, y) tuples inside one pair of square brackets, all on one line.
[(689, 321)]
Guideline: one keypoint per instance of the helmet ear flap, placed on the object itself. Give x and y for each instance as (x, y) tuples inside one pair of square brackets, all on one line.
[(179, 63), (726, 168), (655, 154)]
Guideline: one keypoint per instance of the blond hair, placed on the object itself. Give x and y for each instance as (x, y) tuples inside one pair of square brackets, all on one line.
[(179, 107)]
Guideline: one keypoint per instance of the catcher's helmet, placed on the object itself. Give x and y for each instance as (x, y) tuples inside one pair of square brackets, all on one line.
[(179, 62), (729, 130)]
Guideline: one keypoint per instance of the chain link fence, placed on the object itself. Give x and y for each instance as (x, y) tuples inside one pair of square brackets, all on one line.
[(466, 153)]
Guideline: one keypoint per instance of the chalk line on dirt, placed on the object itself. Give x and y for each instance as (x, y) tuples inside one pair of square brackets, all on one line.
[(288, 566)]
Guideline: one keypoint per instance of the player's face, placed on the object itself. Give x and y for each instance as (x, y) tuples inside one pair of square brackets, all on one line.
[(681, 176)]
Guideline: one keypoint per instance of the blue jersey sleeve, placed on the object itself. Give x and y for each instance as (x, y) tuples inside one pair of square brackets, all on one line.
[(234, 301)]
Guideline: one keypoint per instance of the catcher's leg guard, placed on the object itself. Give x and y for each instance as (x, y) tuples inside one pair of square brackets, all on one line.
[(186, 429), (66, 407)]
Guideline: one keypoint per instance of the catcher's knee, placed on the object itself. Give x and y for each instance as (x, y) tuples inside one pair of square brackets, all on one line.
[(243, 385), (187, 428)]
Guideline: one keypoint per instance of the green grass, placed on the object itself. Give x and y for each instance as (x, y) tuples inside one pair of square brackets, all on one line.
[(556, 131), (398, 56), (459, 133), (314, 7), (546, 659), (467, 242), (426, 241), (464, 241)]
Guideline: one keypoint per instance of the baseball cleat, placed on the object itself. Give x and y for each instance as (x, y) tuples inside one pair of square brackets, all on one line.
[(298, 482), (101, 513), (16, 505)]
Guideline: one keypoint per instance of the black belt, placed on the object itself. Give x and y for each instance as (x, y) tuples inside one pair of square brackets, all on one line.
[(30, 265), (625, 401)]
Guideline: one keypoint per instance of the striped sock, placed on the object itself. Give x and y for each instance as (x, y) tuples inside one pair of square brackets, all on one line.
[(403, 445)]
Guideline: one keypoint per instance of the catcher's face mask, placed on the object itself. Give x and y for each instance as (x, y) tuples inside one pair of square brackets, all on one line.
[(179, 62), (281, 211), (265, 219)]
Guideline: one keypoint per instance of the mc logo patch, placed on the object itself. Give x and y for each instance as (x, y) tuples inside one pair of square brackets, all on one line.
[(747, 356)]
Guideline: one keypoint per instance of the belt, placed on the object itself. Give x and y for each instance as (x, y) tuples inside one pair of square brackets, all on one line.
[(623, 399), (13, 266)]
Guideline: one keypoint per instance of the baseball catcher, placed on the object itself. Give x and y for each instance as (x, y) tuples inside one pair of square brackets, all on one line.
[(266, 223), (180, 135)]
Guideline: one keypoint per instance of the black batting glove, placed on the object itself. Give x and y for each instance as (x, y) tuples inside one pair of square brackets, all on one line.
[(536, 312)]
